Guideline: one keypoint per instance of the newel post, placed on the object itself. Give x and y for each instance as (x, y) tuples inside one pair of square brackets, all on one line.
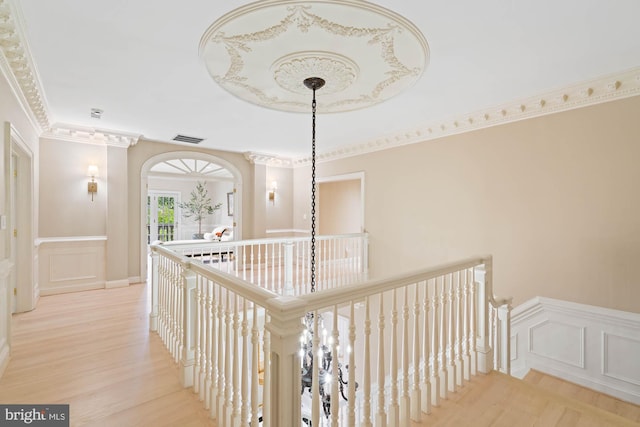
[(153, 316), (484, 351), (285, 327), (187, 359)]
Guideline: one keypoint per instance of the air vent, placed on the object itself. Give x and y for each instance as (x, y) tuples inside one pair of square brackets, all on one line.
[(189, 139), (96, 113)]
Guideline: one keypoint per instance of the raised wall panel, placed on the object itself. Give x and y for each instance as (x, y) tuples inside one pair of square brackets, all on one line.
[(591, 346), (558, 341), (621, 357), (71, 264)]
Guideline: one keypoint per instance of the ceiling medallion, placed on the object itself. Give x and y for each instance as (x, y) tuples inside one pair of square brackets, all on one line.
[(262, 52)]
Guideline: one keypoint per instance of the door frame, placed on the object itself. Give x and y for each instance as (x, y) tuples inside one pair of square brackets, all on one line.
[(20, 208)]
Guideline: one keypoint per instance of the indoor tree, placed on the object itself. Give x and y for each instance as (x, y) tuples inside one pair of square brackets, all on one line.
[(199, 206)]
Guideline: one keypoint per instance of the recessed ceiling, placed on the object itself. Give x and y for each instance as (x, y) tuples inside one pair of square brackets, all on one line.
[(141, 64)]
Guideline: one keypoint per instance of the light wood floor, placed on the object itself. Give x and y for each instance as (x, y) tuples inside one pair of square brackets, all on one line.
[(498, 400), (93, 350)]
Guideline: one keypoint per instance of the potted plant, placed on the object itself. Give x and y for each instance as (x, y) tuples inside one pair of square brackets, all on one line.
[(199, 207)]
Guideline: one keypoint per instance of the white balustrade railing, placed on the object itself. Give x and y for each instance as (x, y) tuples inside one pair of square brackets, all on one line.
[(283, 265), (406, 342)]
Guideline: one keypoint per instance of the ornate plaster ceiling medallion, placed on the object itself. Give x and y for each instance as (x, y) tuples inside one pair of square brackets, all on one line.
[(263, 51), (338, 71)]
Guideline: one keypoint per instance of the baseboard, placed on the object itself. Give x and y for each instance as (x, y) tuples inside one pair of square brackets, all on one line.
[(136, 280), (594, 347), (72, 288), (122, 283)]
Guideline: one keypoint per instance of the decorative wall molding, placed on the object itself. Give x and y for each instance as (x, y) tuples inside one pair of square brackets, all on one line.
[(604, 89), (17, 64), (592, 346), (71, 264), (267, 159), (86, 135)]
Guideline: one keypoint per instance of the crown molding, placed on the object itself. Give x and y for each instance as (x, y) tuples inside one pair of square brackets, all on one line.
[(18, 66), (604, 89), (267, 159), (85, 135)]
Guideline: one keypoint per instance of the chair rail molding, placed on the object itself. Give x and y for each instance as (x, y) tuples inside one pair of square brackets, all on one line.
[(595, 347)]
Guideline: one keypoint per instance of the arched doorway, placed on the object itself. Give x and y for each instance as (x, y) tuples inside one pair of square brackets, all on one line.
[(168, 178)]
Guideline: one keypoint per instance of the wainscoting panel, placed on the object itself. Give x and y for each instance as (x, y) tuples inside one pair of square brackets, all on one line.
[(592, 346), (71, 264)]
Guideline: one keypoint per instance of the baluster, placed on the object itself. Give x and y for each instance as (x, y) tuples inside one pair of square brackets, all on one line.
[(211, 347), (279, 263), (494, 336), (180, 304), (405, 405), (259, 266), (352, 368), (381, 418), (244, 413), (426, 353), (252, 257), (444, 368), (198, 343), (228, 350), (216, 352), (459, 359), (237, 396), (415, 392), (255, 368), (266, 387), (394, 414), (244, 263), (266, 270), (222, 385), (473, 322), (466, 375), (334, 348), (437, 347), (366, 375), (205, 338), (451, 329)]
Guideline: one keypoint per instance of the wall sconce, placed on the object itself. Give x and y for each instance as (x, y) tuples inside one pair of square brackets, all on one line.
[(272, 192), (92, 172)]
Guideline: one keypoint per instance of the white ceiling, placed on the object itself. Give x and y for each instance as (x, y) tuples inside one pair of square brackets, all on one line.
[(139, 62)]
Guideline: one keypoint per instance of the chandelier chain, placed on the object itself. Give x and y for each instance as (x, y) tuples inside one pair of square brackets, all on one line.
[(313, 192)]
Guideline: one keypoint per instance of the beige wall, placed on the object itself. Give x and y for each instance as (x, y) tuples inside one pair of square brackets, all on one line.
[(66, 206), (554, 199)]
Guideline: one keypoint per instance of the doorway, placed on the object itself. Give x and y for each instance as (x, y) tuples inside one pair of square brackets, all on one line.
[(20, 223), (341, 204), (162, 215)]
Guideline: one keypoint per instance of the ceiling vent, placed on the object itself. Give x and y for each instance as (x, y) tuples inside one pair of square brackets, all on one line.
[(189, 139)]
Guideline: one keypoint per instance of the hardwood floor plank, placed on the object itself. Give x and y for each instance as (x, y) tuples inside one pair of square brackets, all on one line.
[(93, 350)]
